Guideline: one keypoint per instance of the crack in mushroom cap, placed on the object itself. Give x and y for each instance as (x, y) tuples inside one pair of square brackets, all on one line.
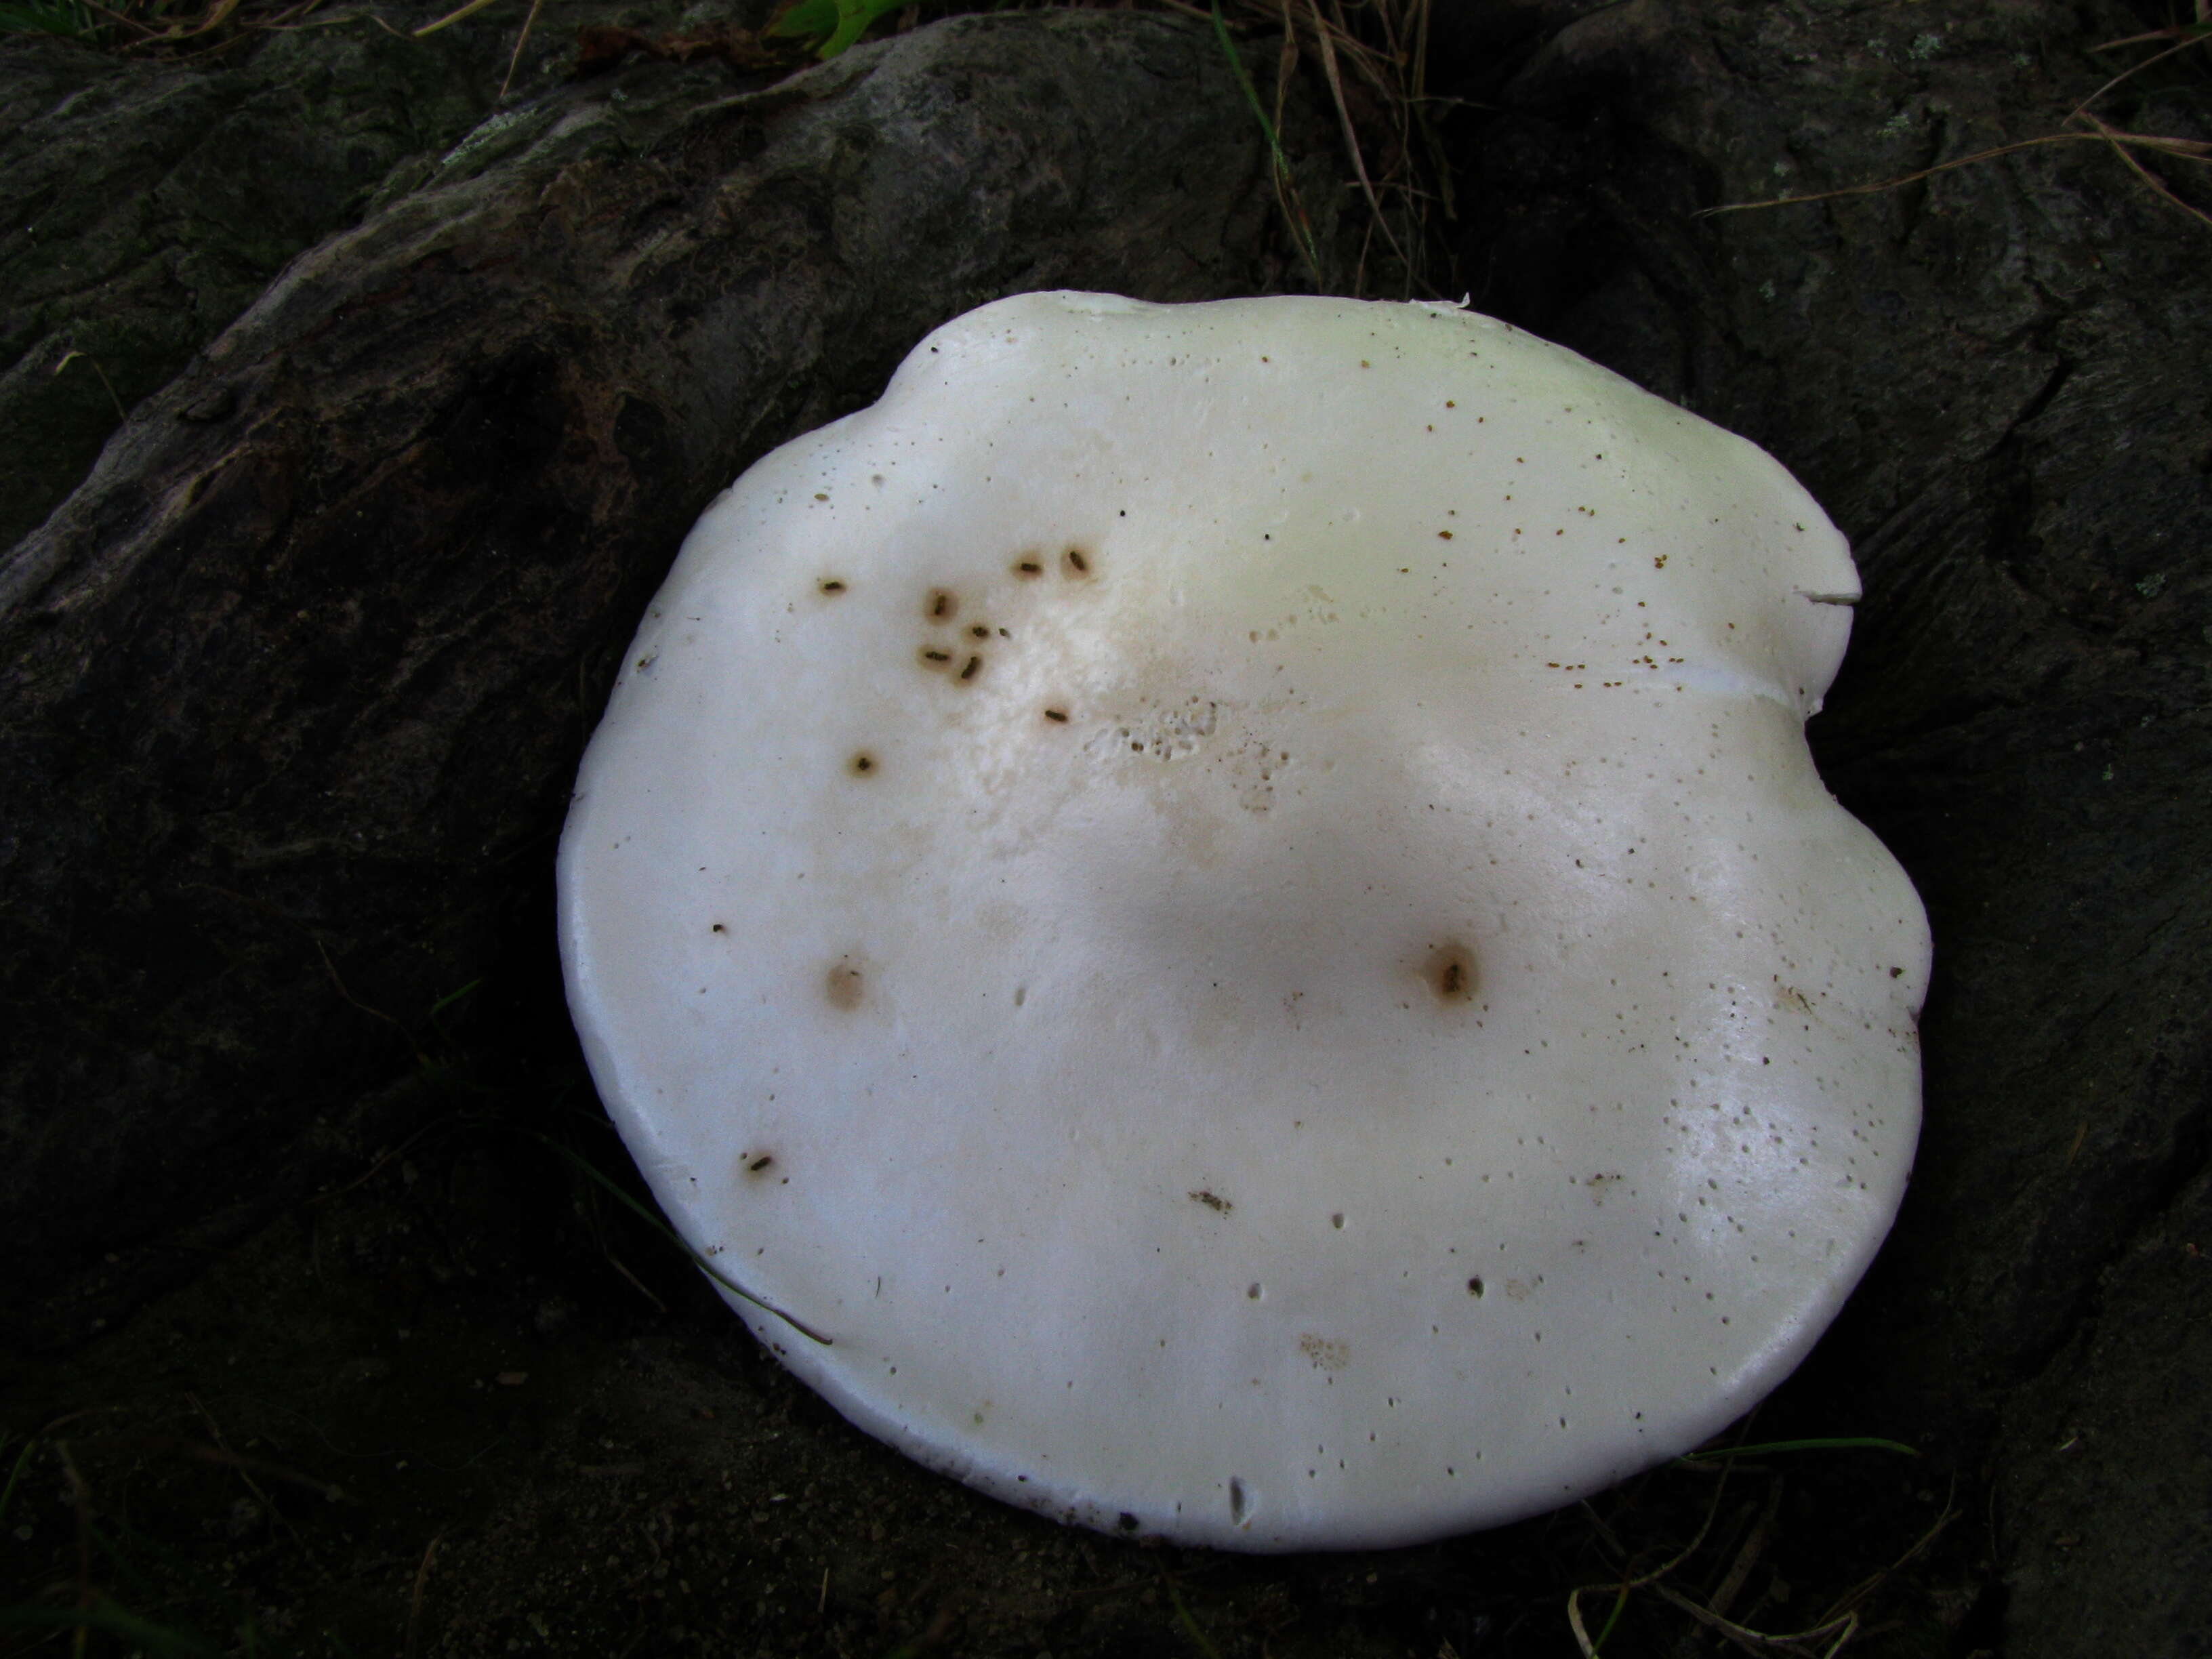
[(1229, 900)]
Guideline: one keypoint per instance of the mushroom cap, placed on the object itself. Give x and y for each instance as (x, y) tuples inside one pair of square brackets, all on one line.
[(1223, 912)]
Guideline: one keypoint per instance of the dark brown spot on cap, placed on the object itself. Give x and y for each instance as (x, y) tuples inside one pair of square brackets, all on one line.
[(1449, 971), (843, 985), (940, 604)]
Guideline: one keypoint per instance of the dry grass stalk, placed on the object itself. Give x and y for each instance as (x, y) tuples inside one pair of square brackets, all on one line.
[(2129, 147)]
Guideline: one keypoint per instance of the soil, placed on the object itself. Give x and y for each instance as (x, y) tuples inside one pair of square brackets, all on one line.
[(330, 1328), (470, 1405)]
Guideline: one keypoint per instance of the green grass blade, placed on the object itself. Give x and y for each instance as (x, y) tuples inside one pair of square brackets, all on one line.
[(62, 17), (1858, 1442), (1188, 1624), (1299, 229), (105, 1616), (1613, 1618), (15, 1475), (583, 1167)]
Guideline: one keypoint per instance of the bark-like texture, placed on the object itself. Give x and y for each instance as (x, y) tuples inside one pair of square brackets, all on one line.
[(1999, 381), (146, 204), (294, 685)]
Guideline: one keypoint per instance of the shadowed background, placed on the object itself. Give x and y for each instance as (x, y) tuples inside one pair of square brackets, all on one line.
[(386, 413)]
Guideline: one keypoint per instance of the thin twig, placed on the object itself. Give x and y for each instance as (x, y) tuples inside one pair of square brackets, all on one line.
[(81, 1503), (1747, 1557), (2186, 149), (1752, 1641), (331, 967), (2082, 108), (1851, 1598), (1574, 1595), (1188, 1626), (1322, 36), (584, 1168), (452, 17), (1417, 103), (2121, 143), (70, 357), (122, 19), (382, 1158), (615, 1262), (415, 1601), (1286, 187), (244, 1471), (515, 56)]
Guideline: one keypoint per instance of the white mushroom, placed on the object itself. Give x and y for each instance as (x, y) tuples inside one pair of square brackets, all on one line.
[(1226, 906)]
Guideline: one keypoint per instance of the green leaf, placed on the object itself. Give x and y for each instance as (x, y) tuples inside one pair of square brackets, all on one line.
[(843, 21), (46, 17)]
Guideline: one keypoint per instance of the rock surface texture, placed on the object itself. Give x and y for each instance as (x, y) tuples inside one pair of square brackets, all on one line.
[(150, 203), (1995, 381), (294, 678), (296, 682)]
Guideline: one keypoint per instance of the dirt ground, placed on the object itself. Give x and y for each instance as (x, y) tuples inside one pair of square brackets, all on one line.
[(466, 1402)]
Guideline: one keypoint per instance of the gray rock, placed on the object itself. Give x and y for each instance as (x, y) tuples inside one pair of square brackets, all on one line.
[(295, 683), (150, 202), (1996, 379)]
